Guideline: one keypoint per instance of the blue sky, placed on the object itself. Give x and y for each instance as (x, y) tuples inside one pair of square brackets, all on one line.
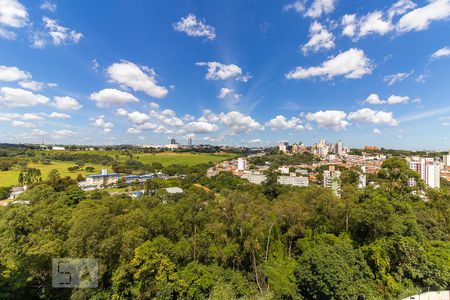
[(236, 72)]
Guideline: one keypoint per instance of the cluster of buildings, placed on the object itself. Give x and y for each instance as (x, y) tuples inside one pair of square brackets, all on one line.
[(105, 179), (321, 149), (428, 169)]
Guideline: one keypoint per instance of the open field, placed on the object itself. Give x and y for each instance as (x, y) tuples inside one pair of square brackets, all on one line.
[(189, 159), (9, 178)]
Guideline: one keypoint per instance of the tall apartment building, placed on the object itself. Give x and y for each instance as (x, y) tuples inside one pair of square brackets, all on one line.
[(332, 180), (428, 170), (242, 164), (446, 160)]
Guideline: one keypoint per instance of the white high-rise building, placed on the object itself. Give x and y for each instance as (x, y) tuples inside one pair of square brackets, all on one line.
[(433, 175), (282, 147), (428, 170), (332, 180), (242, 164), (446, 160)]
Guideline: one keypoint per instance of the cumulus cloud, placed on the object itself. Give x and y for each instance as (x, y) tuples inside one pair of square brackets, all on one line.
[(319, 7), (200, 127), (280, 122), (421, 18), (226, 92), (142, 79), (195, 28), (332, 119), (239, 123), (66, 102), (59, 115), (136, 117), (22, 124), (297, 6), (319, 38), (16, 116), (219, 71), (59, 34), (36, 85), (373, 23), (401, 7), (374, 99), (133, 131), (367, 115), (376, 131), (100, 122), (397, 77), (351, 64), (9, 74), (13, 14), (106, 97), (50, 6), (393, 99), (11, 97), (443, 52)]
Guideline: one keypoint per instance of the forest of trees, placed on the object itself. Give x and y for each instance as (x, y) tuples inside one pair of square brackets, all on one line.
[(233, 240)]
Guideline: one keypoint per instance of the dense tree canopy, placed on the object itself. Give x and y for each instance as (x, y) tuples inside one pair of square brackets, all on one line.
[(234, 240)]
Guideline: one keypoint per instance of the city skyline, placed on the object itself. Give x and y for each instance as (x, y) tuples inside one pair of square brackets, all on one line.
[(234, 73)]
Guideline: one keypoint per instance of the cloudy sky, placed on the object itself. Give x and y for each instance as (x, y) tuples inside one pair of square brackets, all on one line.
[(226, 72)]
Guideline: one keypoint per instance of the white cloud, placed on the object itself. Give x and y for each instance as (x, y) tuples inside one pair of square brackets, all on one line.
[(350, 25), (50, 6), (255, 141), (374, 22), (443, 52), (280, 122), (320, 7), (100, 122), (401, 7), (66, 102), (374, 99), (333, 119), (319, 38), (61, 35), (16, 116), (352, 64), (196, 28), (106, 97), (35, 85), (141, 79), (239, 123), (137, 117), (367, 115), (7, 34), (226, 92), (133, 131), (154, 105), (13, 14), (219, 71), (376, 131), (201, 127), (420, 18), (11, 97), (63, 133), (22, 124), (59, 115), (393, 99), (297, 6), (13, 74), (397, 77)]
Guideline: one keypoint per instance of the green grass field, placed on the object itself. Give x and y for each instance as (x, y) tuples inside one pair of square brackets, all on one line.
[(189, 159), (9, 178)]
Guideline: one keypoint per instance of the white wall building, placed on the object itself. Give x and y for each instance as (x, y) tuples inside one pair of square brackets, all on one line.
[(283, 170), (255, 178), (242, 164), (293, 180), (103, 179)]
